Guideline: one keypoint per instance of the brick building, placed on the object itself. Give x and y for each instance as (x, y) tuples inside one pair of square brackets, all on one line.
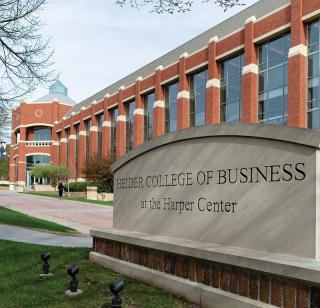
[(259, 66)]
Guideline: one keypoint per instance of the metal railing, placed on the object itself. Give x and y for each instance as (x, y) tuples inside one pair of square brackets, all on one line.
[(38, 143)]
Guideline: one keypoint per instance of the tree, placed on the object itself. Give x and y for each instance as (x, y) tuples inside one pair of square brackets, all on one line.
[(4, 168), (55, 173), (98, 170), (172, 6), (24, 53)]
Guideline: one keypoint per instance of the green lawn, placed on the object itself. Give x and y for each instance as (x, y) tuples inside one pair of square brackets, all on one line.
[(10, 217), (81, 199), (21, 286)]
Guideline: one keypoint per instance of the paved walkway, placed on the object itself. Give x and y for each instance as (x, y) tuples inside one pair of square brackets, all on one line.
[(77, 215), (13, 233)]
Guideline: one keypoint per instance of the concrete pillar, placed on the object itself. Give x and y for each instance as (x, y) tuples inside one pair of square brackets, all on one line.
[(158, 107), (183, 99), (213, 85), (121, 125), (138, 120), (297, 69), (250, 76)]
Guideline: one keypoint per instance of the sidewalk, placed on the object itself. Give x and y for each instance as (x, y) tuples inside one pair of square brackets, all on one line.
[(77, 215), (18, 234)]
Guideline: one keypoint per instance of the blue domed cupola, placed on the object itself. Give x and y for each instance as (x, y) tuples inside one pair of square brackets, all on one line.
[(58, 87)]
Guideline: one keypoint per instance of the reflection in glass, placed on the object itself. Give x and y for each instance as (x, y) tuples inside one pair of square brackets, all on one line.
[(273, 81), (231, 89)]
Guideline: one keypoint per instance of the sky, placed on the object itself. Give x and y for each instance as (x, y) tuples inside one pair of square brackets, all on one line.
[(96, 42)]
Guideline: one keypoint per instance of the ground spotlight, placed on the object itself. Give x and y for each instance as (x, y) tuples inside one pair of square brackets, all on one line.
[(45, 267), (116, 287), (73, 270)]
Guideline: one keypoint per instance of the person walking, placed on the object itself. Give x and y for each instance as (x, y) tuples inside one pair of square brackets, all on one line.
[(60, 189)]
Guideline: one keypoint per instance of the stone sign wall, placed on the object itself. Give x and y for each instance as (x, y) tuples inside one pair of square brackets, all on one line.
[(252, 189)]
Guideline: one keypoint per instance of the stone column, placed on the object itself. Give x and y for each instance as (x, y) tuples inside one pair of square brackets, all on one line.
[(158, 107), (138, 120), (213, 85), (121, 125), (250, 76), (297, 69), (183, 99)]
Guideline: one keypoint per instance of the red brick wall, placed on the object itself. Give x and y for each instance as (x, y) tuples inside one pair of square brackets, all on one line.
[(210, 55)]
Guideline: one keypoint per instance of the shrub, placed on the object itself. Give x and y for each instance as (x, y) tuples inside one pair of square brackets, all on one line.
[(79, 186), (98, 171)]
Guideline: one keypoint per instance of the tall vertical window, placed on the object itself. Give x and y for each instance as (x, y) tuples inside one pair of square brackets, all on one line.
[(313, 76), (148, 115), (68, 146), (100, 119), (77, 130), (88, 126), (231, 89), (198, 98), (273, 81), (113, 145), (129, 125), (170, 102)]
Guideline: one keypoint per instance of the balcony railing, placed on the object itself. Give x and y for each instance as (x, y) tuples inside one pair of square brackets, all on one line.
[(38, 143)]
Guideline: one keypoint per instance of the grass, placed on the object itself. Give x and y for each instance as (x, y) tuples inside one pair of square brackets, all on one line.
[(78, 198), (21, 286), (10, 217)]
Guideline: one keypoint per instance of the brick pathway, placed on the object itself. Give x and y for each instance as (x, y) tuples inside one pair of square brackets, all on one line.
[(78, 215)]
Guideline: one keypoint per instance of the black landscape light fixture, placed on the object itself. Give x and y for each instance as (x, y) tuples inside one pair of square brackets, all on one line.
[(73, 270), (116, 287), (45, 267)]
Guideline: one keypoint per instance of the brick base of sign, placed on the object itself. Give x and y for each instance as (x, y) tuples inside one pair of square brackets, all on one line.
[(267, 288)]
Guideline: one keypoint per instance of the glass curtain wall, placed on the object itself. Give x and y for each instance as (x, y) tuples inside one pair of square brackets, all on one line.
[(273, 81), (100, 120), (113, 115), (198, 83), (170, 102), (231, 89), (88, 126), (313, 76), (148, 115), (129, 125)]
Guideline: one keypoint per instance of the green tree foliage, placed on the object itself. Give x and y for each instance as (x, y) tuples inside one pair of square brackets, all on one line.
[(4, 165), (55, 173), (98, 170), (4, 168)]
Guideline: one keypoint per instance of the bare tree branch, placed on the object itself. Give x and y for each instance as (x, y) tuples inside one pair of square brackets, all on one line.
[(174, 6), (25, 55)]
